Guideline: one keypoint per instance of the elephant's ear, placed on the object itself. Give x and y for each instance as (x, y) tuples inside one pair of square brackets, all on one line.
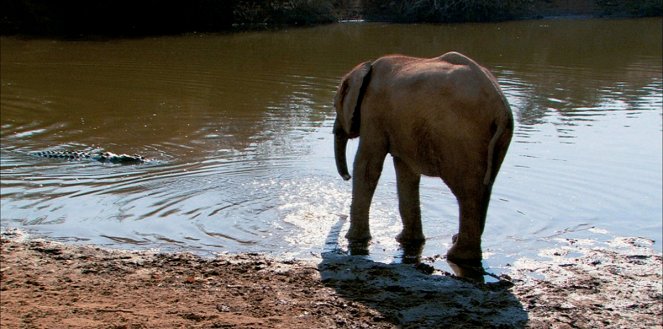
[(351, 92)]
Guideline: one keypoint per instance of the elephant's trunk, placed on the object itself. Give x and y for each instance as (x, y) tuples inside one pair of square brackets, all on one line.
[(340, 146)]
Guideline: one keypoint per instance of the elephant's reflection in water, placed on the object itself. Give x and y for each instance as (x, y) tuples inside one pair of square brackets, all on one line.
[(411, 293)]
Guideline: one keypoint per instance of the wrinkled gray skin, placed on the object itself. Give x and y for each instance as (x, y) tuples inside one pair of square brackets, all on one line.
[(96, 156), (444, 117)]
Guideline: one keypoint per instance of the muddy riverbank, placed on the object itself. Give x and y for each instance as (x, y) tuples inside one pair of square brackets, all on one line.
[(46, 284)]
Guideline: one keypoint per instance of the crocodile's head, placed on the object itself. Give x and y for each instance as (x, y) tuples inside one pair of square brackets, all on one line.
[(120, 158)]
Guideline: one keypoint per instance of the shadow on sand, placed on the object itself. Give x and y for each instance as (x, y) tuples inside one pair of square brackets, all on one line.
[(413, 294)]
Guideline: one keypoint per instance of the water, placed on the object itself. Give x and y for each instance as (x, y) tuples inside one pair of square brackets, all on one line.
[(240, 126)]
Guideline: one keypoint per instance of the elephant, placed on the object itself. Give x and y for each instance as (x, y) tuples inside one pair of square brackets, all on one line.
[(441, 117)]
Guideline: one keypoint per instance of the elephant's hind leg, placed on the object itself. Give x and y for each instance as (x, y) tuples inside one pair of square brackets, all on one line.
[(408, 203), (473, 202)]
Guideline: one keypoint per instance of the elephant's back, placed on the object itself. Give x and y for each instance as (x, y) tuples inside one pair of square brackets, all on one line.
[(436, 107), (439, 86)]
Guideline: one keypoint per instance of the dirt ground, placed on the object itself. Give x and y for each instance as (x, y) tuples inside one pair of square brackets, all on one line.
[(579, 285)]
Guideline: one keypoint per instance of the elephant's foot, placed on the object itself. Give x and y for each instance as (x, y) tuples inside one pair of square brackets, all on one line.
[(411, 237), (358, 235), (412, 250), (358, 248), (474, 273), (464, 254)]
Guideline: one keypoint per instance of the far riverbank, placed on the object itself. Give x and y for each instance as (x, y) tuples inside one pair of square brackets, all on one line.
[(105, 18)]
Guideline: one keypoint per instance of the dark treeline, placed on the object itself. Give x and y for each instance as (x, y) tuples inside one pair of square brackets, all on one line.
[(145, 17), (639, 8), (440, 11), (436, 11), (76, 18)]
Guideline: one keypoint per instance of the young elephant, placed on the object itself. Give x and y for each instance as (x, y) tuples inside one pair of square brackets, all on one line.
[(443, 117)]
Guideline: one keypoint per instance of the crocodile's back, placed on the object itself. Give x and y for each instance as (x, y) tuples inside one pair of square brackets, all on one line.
[(97, 156), (71, 155)]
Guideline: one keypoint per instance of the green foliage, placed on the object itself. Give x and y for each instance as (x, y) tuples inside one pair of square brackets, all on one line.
[(631, 7), (283, 12), (443, 10)]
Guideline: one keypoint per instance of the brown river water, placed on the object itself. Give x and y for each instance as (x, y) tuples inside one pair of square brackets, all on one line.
[(240, 127)]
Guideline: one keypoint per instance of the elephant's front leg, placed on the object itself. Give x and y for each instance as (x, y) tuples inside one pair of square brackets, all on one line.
[(366, 173), (408, 203)]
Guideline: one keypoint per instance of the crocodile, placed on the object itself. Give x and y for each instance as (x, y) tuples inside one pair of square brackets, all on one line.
[(101, 156)]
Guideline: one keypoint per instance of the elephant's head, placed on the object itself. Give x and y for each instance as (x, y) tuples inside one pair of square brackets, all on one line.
[(347, 102)]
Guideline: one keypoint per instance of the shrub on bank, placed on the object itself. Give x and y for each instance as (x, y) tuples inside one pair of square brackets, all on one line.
[(631, 8), (435, 11), (254, 13)]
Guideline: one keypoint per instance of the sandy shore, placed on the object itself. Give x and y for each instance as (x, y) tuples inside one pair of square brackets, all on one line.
[(46, 284)]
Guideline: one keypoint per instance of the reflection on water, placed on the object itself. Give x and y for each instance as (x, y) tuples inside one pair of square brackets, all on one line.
[(241, 126)]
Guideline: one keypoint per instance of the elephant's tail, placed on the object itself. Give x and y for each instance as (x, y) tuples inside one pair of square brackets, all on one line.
[(491, 153), (498, 146), (503, 130)]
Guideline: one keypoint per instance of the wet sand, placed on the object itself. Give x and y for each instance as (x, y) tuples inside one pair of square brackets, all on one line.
[(46, 284)]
